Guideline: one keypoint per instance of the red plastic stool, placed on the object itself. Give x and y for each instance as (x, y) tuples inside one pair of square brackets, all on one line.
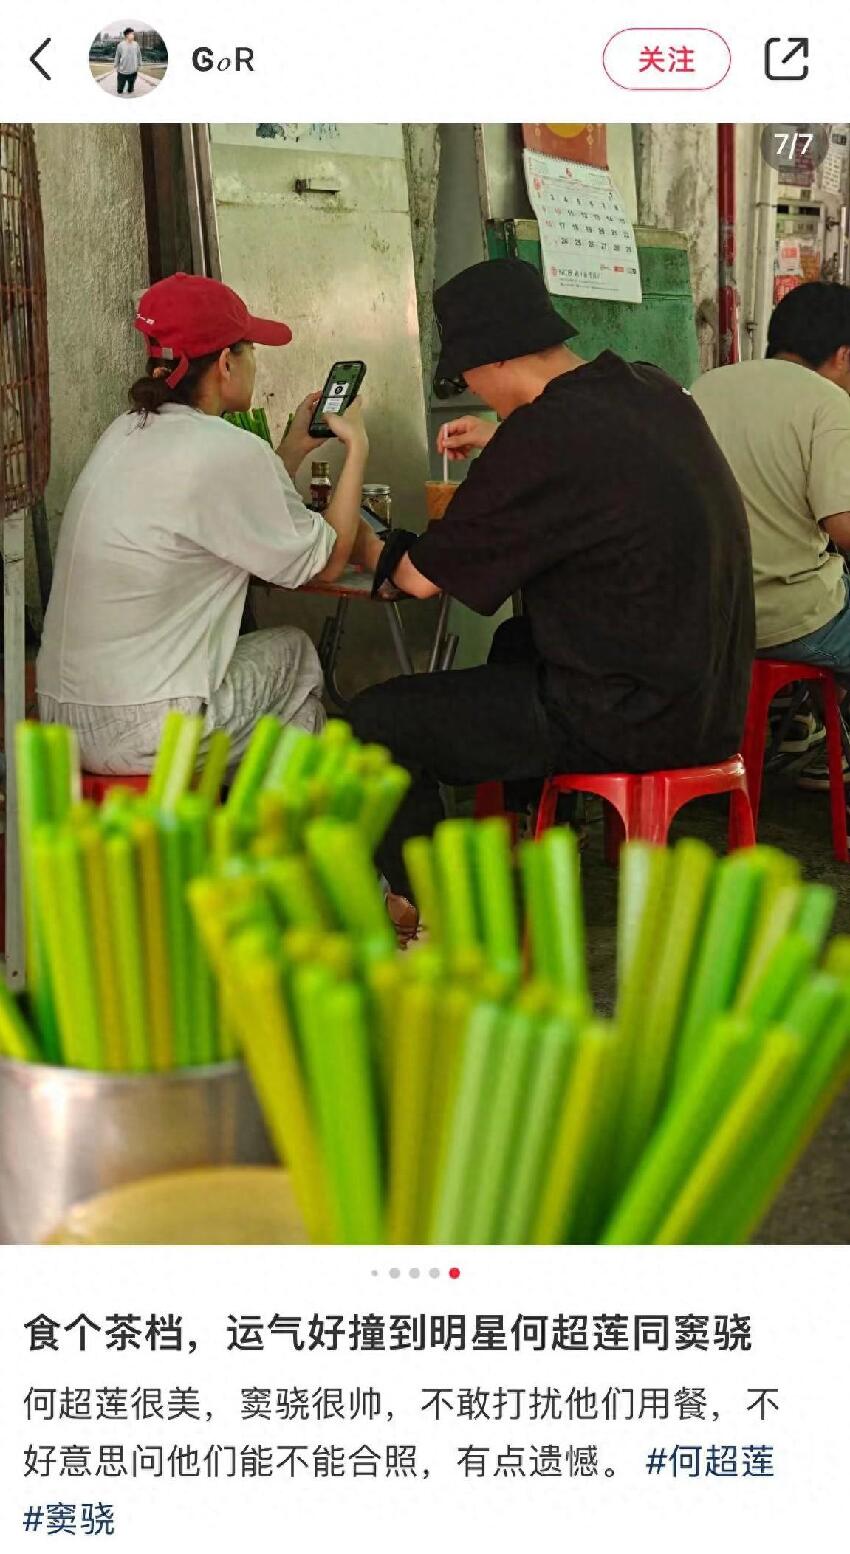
[(769, 676), (490, 801), (642, 807), (96, 787)]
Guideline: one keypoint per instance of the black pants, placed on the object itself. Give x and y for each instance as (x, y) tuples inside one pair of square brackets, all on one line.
[(127, 83), (463, 727)]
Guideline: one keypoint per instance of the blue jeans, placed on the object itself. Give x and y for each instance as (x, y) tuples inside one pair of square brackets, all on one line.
[(829, 646)]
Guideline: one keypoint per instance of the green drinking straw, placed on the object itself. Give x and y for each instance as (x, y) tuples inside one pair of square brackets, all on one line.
[(355, 1116), (562, 892), (791, 1127), (453, 842), (168, 741), (177, 780), (343, 867), (418, 854), (452, 1015), (214, 769), (720, 1067), (502, 1127), (35, 807), (574, 1146), (723, 948), (816, 911), (774, 918), (293, 889), (117, 1057), (784, 970), (16, 1039), (380, 802), (78, 962), (62, 769), (534, 1143), (193, 819), (691, 868), (478, 1065), (175, 882), (126, 929), (412, 1072), (776, 1061), (293, 758), (156, 927), (346, 1123), (496, 897), (253, 767), (268, 1042)]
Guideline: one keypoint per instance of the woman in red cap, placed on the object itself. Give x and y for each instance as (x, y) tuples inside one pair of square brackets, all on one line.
[(173, 513)]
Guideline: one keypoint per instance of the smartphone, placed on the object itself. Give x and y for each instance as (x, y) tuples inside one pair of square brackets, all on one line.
[(342, 387)]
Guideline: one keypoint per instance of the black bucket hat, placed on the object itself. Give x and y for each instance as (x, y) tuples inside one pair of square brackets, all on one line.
[(493, 312)]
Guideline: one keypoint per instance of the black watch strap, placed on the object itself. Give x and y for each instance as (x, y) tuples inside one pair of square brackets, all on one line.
[(396, 546)]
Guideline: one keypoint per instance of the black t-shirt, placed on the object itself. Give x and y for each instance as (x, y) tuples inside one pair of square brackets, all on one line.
[(609, 505)]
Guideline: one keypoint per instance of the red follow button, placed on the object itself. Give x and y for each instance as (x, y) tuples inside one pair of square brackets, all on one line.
[(667, 59)]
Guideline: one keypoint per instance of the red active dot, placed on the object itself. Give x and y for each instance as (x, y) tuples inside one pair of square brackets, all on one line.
[(454, 1273)]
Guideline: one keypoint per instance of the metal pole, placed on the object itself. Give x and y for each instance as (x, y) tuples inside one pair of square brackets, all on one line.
[(728, 328), (14, 692)]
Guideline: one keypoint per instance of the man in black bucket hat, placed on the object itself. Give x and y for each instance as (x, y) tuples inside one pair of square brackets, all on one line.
[(603, 499)]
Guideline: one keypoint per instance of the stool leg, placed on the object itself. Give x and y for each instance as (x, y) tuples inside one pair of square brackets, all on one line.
[(547, 809), (755, 739), (653, 809), (614, 831), (742, 832), (835, 754)]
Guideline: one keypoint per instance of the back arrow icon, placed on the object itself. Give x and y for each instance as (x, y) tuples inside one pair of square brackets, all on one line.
[(34, 59)]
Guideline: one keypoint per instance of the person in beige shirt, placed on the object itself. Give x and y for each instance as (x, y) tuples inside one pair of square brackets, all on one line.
[(784, 427)]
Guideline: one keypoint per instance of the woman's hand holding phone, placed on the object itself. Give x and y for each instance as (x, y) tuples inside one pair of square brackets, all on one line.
[(297, 445), (350, 428)]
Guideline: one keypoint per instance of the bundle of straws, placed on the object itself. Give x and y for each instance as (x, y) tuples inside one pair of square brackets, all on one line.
[(255, 421), (467, 1093), (117, 978)]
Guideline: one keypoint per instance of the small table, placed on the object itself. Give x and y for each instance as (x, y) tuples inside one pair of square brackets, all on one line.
[(355, 583)]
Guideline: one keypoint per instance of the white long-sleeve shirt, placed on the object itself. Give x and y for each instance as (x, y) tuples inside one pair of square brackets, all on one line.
[(164, 528)]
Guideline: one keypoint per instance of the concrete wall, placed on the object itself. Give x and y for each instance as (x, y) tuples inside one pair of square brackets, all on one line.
[(97, 263), (676, 167)]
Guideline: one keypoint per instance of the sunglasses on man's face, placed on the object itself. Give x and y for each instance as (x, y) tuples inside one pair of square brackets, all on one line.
[(448, 388)]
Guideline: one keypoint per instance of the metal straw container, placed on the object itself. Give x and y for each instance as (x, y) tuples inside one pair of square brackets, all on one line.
[(66, 1134)]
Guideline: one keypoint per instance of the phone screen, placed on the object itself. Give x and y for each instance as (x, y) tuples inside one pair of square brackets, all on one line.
[(341, 388)]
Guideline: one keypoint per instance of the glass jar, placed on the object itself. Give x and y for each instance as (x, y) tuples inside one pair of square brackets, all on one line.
[(378, 501), (320, 487)]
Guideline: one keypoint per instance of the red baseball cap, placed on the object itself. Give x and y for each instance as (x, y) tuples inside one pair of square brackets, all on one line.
[(191, 315)]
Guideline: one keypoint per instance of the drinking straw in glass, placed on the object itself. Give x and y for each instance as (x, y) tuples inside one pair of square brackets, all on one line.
[(62, 767), (35, 802), (252, 768), (691, 868), (116, 1053), (534, 1144), (295, 893), (779, 1056), (181, 769), (501, 1127), (168, 739), (452, 1015), (453, 842), (381, 799), (723, 950), (214, 769), (175, 881), (721, 1065), (193, 819), (340, 1135), (343, 867), (156, 927), (267, 1040), (815, 914), (792, 1125), (419, 862), (478, 1066), (493, 877), (70, 906), (411, 1079), (575, 1148), (126, 932), (17, 1041)]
